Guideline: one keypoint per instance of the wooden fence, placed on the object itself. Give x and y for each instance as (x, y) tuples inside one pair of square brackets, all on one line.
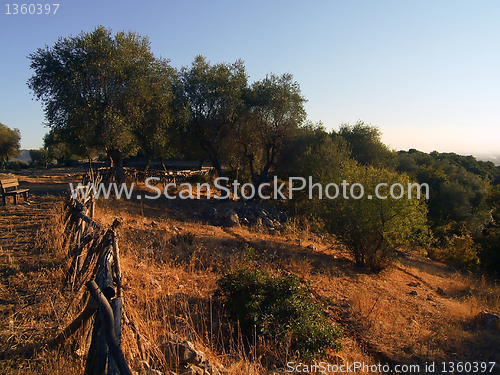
[(95, 264), (164, 177)]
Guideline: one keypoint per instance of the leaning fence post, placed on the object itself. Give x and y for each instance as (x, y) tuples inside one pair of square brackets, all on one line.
[(108, 326), (116, 264), (85, 315), (92, 206), (116, 306)]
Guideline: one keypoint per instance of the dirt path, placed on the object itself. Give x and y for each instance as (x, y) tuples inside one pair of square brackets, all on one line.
[(19, 225), (19, 238)]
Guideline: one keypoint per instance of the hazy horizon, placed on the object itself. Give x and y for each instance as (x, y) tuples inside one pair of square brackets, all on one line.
[(493, 158)]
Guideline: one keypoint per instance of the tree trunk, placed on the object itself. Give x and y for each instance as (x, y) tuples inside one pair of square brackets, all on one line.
[(218, 167), (90, 166), (148, 164), (116, 158), (163, 164), (213, 156)]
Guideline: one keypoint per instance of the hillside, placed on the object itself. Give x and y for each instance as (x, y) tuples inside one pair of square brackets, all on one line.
[(24, 156), (173, 252)]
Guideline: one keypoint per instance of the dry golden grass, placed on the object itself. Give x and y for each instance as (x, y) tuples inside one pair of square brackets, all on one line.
[(172, 257)]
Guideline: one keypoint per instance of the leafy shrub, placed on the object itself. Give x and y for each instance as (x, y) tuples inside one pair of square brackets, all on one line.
[(17, 165), (459, 249), (278, 308), (490, 240), (372, 228), (490, 251), (463, 253)]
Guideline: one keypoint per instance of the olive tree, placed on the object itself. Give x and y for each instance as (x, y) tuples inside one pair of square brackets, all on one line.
[(373, 224), (212, 97), (366, 144), (92, 87), (274, 112), (9, 144), (155, 131)]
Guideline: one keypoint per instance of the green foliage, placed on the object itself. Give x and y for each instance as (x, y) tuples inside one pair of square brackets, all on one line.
[(493, 202), (462, 252), (40, 158), (373, 228), (316, 154), (278, 308), (270, 119), (366, 145), (154, 133), (94, 87), (225, 120), (462, 206), (486, 170), (489, 253), (17, 165), (10, 142), (211, 95), (457, 195), (63, 152)]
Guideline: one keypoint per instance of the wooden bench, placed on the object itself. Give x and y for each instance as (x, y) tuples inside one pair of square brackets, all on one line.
[(9, 186)]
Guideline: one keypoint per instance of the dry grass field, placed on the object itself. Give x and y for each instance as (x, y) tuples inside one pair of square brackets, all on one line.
[(172, 256)]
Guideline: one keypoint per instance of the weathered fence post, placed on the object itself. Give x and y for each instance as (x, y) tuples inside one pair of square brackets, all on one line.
[(107, 325)]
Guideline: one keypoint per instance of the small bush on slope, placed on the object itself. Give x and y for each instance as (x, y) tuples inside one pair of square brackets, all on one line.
[(278, 308)]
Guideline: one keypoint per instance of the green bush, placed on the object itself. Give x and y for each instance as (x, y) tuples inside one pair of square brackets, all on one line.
[(371, 228), (278, 308), (456, 247), (490, 251), (17, 165), (463, 253)]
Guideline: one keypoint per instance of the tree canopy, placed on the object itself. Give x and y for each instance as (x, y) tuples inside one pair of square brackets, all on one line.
[(212, 97), (154, 133), (93, 87), (366, 144), (10, 142), (272, 115)]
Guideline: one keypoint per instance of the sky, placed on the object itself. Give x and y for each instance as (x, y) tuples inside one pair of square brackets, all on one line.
[(427, 73)]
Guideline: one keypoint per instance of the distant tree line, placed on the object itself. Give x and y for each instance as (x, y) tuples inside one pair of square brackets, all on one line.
[(110, 93), (463, 206)]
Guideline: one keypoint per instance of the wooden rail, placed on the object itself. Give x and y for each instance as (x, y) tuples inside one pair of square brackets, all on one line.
[(95, 263)]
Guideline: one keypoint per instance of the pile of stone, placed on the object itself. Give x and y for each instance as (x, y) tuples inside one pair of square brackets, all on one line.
[(249, 213), (184, 358), (488, 319)]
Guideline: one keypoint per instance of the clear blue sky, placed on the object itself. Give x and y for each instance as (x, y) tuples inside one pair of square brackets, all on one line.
[(427, 73)]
